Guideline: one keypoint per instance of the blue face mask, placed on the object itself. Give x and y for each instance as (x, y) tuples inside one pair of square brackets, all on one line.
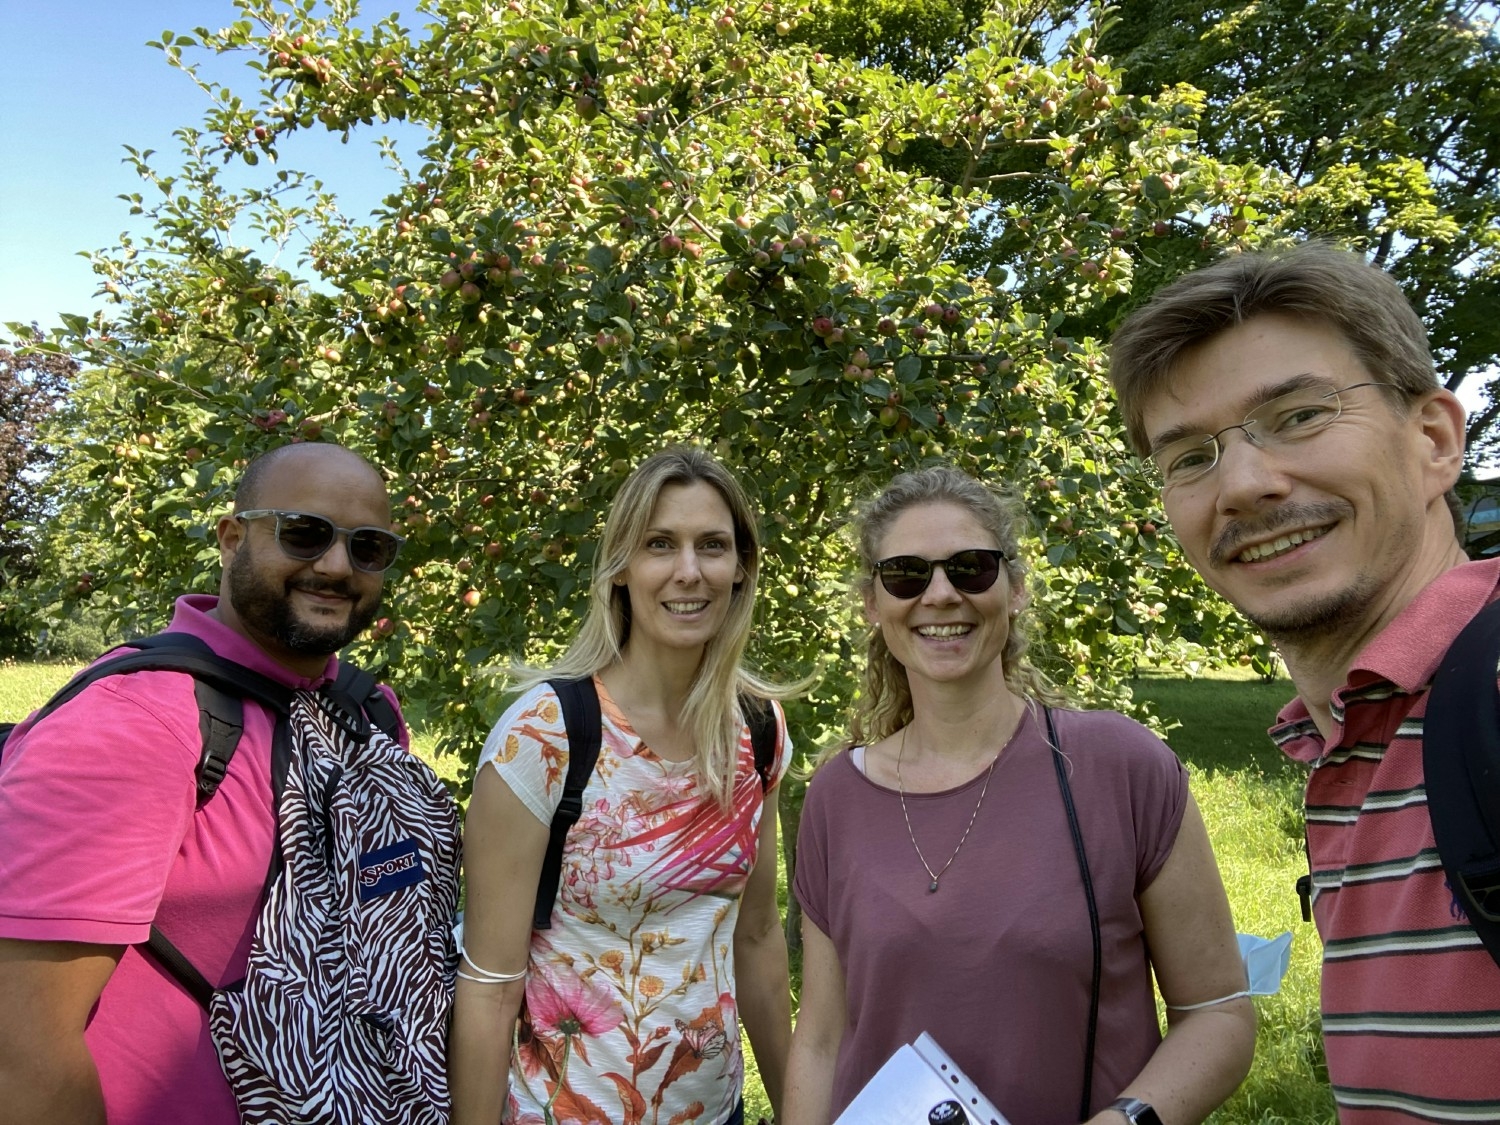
[(1266, 961)]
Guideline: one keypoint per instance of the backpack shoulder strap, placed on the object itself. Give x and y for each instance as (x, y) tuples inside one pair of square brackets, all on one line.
[(183, 971), (221, 721), (219, 686), (1461, 768), (580, 710), (761, 718), (361, 687)]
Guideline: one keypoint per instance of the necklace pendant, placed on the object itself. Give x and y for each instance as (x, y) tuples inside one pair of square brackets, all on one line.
[(932, 886)]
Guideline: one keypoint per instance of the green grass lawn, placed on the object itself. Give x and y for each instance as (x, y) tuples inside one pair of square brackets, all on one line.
[(1251, 799)]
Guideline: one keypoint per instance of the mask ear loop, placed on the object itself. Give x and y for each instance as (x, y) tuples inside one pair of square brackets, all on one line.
[(1210, 1003)]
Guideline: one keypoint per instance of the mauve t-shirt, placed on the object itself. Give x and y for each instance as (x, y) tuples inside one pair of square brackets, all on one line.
[(997, 963)]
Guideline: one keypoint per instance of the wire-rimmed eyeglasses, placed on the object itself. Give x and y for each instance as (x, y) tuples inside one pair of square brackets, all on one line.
[(1292, 417)]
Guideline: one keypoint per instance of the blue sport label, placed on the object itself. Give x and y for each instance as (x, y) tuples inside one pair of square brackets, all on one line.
[(389, 869)]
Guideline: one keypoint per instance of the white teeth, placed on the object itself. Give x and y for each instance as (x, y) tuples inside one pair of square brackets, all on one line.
[(944, 630), (685, 607), (1282, 545)]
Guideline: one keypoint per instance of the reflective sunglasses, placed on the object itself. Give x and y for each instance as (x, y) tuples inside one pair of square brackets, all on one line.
[(971, 572), (306, 537)]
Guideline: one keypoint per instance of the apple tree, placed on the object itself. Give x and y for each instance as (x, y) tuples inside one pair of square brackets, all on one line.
[(629, 224)]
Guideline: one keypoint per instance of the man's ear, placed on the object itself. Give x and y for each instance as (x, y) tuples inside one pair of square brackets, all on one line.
[(231, 533), (1441, 419)]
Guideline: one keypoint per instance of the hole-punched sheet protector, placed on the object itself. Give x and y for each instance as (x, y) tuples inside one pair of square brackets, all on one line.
[(914, 1084)]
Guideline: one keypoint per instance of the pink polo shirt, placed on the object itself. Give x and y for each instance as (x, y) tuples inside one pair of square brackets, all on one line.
[(1411, 1000), (100, 834)]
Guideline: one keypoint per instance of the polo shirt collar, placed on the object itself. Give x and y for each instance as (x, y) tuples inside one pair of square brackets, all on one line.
[(191, 615), (1406, 653)]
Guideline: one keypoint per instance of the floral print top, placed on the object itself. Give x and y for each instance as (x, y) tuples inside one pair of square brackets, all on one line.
[(630, 1013)]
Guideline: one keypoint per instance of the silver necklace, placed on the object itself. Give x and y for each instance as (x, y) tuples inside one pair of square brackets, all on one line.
[(935, 876)]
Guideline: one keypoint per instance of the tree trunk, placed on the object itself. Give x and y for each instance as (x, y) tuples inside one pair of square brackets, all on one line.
[(790, 811)]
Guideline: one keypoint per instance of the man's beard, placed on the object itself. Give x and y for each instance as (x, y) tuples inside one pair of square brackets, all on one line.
[(266, 607), (1298, 625)]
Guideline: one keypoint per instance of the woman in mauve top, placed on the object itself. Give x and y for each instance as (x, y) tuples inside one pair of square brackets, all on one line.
[(665, 933), (939, 875)]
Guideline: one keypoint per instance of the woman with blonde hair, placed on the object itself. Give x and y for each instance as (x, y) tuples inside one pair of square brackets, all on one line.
[(665, 931), (991, 867)]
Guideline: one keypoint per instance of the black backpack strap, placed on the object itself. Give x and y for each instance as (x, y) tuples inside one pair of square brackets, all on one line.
[(1461, 768), (760, 716), (219, 685), (181, 969), (358, 685), (580, 711), (221, 720)]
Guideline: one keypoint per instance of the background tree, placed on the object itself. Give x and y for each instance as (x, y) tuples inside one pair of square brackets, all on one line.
[(1380, 126), (1383, 120), (32, 383), (638, 224)]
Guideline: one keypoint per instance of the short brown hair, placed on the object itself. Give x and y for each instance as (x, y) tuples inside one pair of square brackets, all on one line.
[(1315, 280)]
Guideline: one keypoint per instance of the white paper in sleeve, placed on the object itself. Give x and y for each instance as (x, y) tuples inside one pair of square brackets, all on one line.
[(920, 1085)]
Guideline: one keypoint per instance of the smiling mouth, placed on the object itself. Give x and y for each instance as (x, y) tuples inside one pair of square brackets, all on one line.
[(685, 608), (1281, 545), (944, 631)]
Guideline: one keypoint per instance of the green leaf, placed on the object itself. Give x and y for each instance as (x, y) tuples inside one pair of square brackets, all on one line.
[(599, 259)]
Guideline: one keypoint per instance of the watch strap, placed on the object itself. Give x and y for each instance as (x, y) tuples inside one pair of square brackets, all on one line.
[(1136, 1111)]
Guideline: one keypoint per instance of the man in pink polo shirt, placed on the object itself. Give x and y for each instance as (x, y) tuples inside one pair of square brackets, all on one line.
[(1307, 455), (101, 835)]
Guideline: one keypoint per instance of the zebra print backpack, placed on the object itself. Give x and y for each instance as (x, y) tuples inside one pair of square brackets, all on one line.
[(342, 1017)]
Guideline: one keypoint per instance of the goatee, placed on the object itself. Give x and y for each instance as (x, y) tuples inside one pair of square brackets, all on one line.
[(266, 606)]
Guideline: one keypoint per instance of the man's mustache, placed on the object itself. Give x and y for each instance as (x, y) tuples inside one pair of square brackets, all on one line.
[(339, 588), (1280, 521)]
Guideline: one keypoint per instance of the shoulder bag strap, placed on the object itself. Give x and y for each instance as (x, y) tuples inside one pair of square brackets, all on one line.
[(1088, 893)]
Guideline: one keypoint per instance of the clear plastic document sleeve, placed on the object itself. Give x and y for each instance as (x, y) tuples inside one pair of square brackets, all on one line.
[(920, 1085)]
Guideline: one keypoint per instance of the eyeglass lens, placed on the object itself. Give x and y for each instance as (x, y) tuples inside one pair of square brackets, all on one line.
[(971, 572), (309, 537)]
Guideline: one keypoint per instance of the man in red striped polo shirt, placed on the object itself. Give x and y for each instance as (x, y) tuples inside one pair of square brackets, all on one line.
[(1307, 456)]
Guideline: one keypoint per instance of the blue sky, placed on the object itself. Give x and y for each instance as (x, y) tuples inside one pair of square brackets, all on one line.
[(80, 85)]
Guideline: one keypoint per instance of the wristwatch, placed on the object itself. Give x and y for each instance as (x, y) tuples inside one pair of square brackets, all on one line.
[(1136, 1111)]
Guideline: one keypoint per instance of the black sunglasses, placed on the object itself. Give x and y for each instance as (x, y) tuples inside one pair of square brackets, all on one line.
[(971, 572), (306, 537)]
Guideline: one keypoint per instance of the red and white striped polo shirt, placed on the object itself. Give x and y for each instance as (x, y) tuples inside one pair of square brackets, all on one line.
[(1411, 999)]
